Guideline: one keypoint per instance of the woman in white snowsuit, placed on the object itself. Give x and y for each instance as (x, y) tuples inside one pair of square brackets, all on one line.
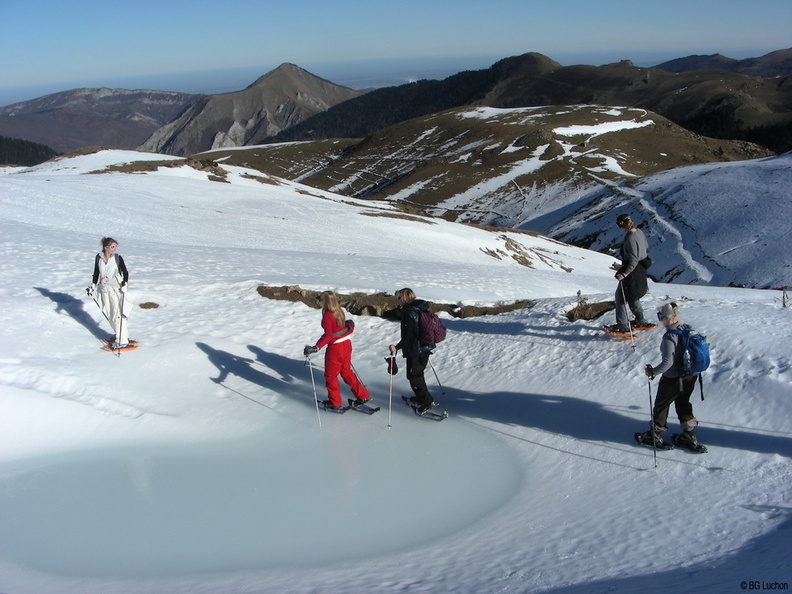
[(110, 278), (674, 387)]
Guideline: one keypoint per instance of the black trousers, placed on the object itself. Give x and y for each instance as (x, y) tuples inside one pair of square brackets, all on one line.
[(677, 391), (415, 375)]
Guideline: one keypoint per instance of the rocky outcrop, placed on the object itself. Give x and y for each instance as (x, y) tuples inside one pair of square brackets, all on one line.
[(278, 100), (381, 305)]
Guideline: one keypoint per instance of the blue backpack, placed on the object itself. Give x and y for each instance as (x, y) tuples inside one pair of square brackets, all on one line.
[(695, 350)]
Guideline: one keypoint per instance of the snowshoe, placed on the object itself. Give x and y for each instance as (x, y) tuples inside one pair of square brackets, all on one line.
[(362, 406), (117, 348), (426, 414), (620, 332)]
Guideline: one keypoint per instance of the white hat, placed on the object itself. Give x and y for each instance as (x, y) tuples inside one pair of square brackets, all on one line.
[(669, 309)]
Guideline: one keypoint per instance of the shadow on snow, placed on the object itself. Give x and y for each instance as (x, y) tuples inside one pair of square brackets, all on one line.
[(591, 421), (75, 308)]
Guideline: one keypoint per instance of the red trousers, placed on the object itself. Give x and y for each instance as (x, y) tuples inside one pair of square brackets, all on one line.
[(338, 360)]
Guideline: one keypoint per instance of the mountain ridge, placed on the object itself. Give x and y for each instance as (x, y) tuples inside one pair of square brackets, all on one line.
[(740, 108), (712, 103), (117, 118), (777, 63), (278, 100)]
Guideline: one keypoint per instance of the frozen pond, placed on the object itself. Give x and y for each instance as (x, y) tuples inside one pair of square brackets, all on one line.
[(295, 498)]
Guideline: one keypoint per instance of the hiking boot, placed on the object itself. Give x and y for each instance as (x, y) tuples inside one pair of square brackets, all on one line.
[(619, 328), (329, 405), (642, 323), (424, 407), (646, 438), (414, 400), (686, 440), (360, 401)]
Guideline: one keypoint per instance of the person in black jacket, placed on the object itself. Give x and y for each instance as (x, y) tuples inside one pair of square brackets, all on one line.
[(416, 355)]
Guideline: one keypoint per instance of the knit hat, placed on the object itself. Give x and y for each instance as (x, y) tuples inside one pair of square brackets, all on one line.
[(669, 309)]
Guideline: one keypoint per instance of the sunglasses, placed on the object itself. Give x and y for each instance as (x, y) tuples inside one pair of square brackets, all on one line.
[(112, 247)]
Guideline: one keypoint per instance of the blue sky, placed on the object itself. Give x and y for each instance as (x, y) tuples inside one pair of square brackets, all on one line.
[(64, 44)]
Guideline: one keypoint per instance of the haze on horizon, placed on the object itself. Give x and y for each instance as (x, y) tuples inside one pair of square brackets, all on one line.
[(205, 47)]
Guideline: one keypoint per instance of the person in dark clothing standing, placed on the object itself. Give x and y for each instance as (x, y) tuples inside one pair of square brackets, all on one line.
[(415, 354), (631, 276)]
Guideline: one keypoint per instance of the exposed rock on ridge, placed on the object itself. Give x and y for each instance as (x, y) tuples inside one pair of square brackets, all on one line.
[(276, 101)]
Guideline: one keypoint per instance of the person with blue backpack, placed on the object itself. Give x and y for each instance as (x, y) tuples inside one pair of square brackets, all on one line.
[(685, 355)]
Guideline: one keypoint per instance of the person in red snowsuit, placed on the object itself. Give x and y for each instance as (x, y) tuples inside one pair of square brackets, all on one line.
[(337, 337)]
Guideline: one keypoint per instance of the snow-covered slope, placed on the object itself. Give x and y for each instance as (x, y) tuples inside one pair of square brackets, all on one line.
[(567, 170), (197, 464), (718, 224)]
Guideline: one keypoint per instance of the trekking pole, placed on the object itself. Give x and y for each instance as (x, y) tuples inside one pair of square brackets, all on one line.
[(629, 324), (442, 390), (313, 384), (105, 315), (651, 414), (100, 308), (121, 322), (390, 391), (357, 375)]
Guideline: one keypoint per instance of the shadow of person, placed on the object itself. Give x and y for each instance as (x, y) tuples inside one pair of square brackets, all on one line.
[(74, 308), (286, 385), (587, 420), (288, 368), (563, 415)]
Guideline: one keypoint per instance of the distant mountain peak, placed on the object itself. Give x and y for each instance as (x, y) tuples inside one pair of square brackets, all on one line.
[(278, 100), (530, 64), (287, 69)]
